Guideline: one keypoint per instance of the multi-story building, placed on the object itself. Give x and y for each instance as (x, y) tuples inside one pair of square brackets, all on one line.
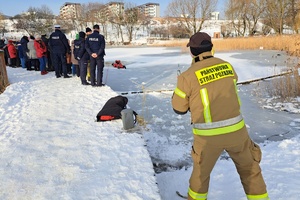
[(115, 8), (70, 10), (150, 9), (214, 15)]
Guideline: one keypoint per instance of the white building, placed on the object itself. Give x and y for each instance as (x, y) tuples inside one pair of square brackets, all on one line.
[(214, 16), (70, 10), (150, 9), (115, 7)]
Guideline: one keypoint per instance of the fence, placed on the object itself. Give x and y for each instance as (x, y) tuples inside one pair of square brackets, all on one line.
[(3, 73)]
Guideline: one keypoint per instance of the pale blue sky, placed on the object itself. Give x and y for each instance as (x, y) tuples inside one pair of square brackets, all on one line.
[(13, 7)]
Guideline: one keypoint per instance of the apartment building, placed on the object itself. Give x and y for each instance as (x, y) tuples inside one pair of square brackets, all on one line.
[(70, 10), (73, 10), (150, 9), (214, 16), (115, 8)]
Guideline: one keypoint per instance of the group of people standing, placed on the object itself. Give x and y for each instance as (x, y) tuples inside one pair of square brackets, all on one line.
[(39, 53), (87, 49), (30, 53), (33, 53)]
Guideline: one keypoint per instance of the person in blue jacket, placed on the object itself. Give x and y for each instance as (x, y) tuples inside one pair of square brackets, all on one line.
[(95, 46), (21, 55), (82, 56), (59, 45), (24, 43)]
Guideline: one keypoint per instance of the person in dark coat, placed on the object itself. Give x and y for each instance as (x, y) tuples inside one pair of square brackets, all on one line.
[(49, 66), (95, 46), (21, 55), (82, 56), (24, 43), (3, 46), (59, 46), (112, 108)]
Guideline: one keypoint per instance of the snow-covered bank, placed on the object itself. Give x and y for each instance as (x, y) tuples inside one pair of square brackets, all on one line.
[(52, 148), (280, 166)]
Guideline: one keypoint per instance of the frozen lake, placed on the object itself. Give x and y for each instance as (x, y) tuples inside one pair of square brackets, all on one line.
[(163, 136)]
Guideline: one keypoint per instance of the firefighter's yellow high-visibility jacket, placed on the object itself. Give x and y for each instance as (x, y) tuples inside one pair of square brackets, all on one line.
[(208, 90)]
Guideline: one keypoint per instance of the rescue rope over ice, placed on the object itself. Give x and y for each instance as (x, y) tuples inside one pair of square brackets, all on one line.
[(239, 83)]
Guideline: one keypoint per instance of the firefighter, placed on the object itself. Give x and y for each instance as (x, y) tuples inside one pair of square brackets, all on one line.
[(208, 90)]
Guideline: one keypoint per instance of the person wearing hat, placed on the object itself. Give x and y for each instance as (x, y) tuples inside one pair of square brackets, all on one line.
[(12, 51), (49, 66), (88, 31), (95, 46), (59, 46), (24, 43), (82, 56), (41, 53), (207, 89), (34, 61)]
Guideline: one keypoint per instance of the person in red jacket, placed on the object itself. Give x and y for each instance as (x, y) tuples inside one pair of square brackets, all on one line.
[(12, 51), (41, 51)]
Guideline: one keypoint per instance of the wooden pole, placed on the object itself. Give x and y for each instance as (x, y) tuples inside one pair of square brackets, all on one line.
[(3, 73)]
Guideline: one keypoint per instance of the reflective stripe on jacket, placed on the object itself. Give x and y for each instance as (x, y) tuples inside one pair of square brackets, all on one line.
[(208, 90)]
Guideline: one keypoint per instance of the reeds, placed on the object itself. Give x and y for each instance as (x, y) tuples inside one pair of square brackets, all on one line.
[(285, 87)]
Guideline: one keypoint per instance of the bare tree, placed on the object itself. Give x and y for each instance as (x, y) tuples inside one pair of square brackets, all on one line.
[(35, 20), (244, 15), (116, 18), (177, 31), (254, 14), (2, 24), (100, 16), (67, 25), (236, 13), (132, 19), (293, 19), (85, 16), (275, 14), (226, 30), (191, 13)]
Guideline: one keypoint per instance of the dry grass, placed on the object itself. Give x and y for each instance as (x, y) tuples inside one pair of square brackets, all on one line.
[(285, 43), (286, 87)]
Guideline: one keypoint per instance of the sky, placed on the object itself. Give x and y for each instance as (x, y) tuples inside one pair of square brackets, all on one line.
[(52, 148), (12, 8)]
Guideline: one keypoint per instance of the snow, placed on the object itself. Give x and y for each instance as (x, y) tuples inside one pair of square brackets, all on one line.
[(52, 148)]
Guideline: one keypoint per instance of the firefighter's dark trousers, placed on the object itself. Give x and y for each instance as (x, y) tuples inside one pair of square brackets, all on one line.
[(245, 154)]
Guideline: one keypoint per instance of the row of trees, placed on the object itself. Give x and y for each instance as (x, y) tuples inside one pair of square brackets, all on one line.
[(276, 15), (242, 15), (39, 20), (183, 18)]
